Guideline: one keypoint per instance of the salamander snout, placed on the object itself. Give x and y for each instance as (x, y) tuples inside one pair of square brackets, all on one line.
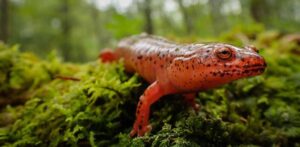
[(252, 64)]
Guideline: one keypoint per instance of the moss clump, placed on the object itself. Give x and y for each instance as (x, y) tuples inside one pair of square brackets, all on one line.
[(21, 74), (99, 109), (70, 112)]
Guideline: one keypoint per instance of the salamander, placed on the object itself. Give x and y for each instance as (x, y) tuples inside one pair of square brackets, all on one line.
[(186, 69)]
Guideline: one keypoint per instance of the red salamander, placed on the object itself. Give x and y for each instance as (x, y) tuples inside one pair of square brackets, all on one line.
[(185, 69)]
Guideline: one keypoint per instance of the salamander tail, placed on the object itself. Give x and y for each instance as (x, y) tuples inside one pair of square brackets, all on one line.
[(107, 55)]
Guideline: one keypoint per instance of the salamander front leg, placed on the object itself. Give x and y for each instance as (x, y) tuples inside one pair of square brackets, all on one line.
[(190, 98), (151, 95)]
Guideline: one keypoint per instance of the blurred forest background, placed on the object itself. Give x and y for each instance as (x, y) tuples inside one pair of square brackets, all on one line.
[(78, 29)]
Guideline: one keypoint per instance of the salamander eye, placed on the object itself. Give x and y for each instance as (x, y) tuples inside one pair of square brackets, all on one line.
[(224, 53)]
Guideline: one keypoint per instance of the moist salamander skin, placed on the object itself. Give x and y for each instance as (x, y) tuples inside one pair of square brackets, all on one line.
[(185, 69)]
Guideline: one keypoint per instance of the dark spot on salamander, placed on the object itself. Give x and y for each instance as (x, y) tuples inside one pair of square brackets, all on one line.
[(154, 62), (222, 74), (161, 66), (150, 58), (140, 127), (208, 65), (140, 57), (254, 70), (245, 66), (215, 74), (187, 67)]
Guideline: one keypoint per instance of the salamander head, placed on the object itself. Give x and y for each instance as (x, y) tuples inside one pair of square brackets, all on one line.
[(208, 66), (226, 63)]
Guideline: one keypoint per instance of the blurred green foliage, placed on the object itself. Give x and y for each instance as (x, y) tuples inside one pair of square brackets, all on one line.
[(99, 109), (78, 29)]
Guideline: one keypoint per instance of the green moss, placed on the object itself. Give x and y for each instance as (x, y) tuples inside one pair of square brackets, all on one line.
[(99, 109)]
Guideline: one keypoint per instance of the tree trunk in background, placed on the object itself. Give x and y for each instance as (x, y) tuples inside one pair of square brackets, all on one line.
[(186, 17), (4, 21), (245, 11), (148, 17), (96, 19), (258, 10), (218, 21), (66, 30)]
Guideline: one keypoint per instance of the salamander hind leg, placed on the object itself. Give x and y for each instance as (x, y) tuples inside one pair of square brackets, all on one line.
[(190, 99), (151, 95), (107, 55)]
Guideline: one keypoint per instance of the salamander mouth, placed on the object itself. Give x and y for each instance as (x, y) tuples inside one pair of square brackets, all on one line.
[(241, 71), (253, 70), (249, 71)]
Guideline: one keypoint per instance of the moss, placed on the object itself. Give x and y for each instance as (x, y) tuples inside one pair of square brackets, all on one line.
[(99, 109)]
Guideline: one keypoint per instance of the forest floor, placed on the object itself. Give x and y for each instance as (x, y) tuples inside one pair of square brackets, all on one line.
[(50, 103)]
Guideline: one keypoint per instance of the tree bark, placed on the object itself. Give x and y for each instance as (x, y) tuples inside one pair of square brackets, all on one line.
[(66, 29), (258, 10), (186, 17), (148, 17), (96, 20), (218, 22), (4, 21)]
